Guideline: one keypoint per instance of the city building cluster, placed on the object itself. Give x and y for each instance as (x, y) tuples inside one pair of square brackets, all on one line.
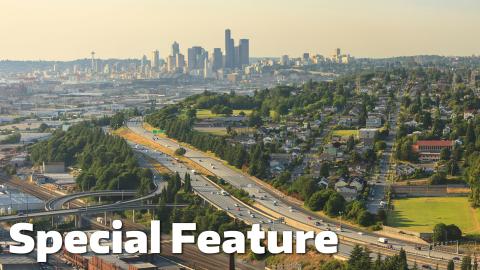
[(232, 63), (198, 62)]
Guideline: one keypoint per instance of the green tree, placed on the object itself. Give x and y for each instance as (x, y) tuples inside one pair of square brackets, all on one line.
[(180, 151), (470, 137), (334, 205), (359, 259), (453, 232), (438, 178), (43, 127), (318, 199), (380, 145), (466, 263), (445, 154), (333, 265), (403, 259), (324, 170), (439, 232), (451, 265), (187, 187), (304, 186)]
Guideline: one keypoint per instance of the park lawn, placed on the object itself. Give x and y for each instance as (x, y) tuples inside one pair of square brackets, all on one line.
[(221, 131), (422, 214), (247, 112), (345, 132), (205, 113)]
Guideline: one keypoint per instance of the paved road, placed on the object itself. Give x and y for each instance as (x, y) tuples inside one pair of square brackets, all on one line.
[(119, 206), (381, 183), (270, 201), (135, 203), (58, 202)]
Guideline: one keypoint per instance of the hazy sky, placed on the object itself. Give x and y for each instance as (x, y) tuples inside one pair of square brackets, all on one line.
[(70, 29)]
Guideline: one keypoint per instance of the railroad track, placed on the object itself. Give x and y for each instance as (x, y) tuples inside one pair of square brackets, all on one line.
[(191, 257)]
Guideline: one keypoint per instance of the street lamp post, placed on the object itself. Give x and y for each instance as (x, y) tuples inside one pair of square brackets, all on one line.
[(341, 213)]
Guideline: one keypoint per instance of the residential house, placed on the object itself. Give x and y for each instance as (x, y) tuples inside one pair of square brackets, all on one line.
[(373, 122)]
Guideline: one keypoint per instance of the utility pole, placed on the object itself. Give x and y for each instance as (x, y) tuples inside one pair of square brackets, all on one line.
[(232, 262)]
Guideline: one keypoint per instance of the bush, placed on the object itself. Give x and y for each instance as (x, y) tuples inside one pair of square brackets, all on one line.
[(318, 200), (364, 218), (180, 151), (380, 145), (442, 232), (11, 139), (334, 205), (439, 178)]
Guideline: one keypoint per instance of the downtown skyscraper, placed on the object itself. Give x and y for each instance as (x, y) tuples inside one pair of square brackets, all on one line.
[(155, 61), (236, 56), (217, 59), (229, 50), (243, 53)]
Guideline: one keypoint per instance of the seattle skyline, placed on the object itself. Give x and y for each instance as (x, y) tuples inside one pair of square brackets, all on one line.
[(126, 29)]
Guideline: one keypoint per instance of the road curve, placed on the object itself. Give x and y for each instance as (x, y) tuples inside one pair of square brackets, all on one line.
[(58, 202)]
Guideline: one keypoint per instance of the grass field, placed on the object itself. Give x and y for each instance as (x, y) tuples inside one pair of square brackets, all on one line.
[(204, 113), (345, 133), (220, 131), (421, 214)]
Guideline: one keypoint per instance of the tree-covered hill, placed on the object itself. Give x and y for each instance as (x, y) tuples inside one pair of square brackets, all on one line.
[(106, 161)]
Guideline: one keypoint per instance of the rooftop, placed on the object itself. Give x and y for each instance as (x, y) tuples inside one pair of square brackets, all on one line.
[(25, 262), (435, 143)]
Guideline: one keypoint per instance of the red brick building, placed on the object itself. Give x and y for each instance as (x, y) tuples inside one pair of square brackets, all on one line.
[(430, 150)]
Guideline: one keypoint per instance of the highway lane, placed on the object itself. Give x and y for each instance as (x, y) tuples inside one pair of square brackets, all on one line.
[(280, 205), (213, 194), (58, 202), (119, 206), (207, 190)]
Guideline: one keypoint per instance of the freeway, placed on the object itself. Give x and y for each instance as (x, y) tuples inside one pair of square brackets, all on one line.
[(53, 206), (58, 202), (120, 206), (276, 203), (191, 255), (212, 193)]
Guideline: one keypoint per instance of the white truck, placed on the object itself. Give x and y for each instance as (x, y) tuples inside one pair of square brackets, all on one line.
[(383, 240)]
